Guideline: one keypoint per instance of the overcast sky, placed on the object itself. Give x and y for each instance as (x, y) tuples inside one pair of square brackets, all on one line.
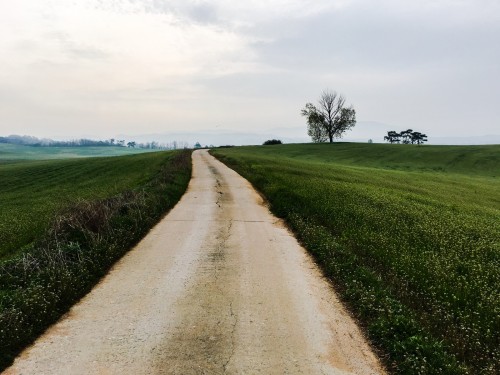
[(108, 67)]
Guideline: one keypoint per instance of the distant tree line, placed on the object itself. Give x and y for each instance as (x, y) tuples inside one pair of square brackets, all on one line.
[(26, 140), (406, 137)]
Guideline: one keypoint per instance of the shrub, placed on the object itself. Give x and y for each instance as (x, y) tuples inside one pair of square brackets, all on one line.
[(272, 142)]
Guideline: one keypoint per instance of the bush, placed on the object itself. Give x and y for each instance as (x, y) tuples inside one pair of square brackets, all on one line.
[(272, 142)]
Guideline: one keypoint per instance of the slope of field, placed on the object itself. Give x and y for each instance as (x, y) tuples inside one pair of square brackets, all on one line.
[(73, 220), (32, 191), (409, 235), (11, 152), (471, 160)]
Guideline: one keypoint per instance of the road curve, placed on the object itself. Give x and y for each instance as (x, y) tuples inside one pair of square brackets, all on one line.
[(219, 286)]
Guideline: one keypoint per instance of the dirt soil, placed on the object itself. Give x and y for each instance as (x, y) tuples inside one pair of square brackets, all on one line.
[(219, 286)]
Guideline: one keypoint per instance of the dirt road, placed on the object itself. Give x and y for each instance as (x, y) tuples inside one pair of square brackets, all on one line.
[(219, 286)]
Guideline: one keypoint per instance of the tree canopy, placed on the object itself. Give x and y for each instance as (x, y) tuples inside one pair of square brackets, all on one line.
[(405, 137), (330, 119), (272, 142)]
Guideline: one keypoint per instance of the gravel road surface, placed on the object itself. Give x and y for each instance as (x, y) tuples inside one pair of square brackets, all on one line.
[(219, 286)]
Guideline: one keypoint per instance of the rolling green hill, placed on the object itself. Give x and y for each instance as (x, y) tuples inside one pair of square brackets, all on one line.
[(470, 160), (410, 237)]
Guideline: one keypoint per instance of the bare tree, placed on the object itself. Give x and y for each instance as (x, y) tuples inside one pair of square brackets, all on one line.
[(330, 119)]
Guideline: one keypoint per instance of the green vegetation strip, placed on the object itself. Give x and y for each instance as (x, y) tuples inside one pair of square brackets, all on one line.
[(123, 198), (413, 252)]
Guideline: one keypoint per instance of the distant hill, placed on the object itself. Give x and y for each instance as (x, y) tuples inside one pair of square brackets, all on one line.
[(471, 160), (479, 140)]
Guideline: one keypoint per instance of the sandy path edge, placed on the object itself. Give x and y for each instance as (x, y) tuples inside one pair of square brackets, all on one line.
[(218, 286)]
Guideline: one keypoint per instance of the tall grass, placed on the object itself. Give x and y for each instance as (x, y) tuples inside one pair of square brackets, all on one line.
[(414, 253), (83, 240)]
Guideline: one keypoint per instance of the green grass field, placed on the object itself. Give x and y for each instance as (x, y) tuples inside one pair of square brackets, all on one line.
[(409, 235), (10, 152), (31, 192)]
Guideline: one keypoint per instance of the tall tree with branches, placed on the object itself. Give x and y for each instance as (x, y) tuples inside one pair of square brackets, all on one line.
[(330, 119), (392, 137), (418, 138)]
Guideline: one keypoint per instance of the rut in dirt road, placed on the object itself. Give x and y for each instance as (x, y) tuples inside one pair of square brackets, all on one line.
[(219, 286)]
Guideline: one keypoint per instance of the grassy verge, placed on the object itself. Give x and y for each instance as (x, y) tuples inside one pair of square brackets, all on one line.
[(39, 284), (31, 192), (414, 253)]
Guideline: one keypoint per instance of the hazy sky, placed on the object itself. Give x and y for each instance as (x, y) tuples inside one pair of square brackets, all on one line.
[(107, 67)]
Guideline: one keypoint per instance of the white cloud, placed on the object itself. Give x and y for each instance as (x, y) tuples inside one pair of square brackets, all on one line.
[(73, 58), (129, 47), (136, 65)]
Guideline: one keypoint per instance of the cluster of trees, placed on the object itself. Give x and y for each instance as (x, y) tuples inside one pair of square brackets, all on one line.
[(406, 137), (26, 140), (330, 119), (272, 142)]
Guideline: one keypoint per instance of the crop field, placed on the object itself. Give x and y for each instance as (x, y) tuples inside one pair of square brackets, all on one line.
[(63, 223), (31, 192), (410, 237), (11, 152)]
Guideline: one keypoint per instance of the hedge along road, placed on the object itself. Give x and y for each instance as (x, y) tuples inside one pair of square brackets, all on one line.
[(219, 286)]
